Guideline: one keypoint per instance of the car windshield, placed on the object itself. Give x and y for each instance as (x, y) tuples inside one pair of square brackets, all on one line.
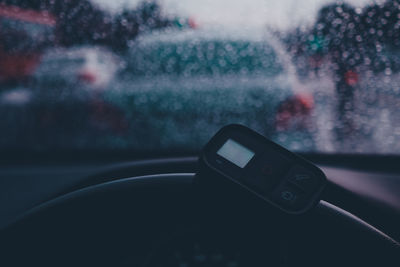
[(149, 76)]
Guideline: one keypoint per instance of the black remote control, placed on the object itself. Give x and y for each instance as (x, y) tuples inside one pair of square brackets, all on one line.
[(251, 161)]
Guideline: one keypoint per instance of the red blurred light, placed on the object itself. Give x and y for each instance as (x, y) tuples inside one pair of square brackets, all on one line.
[(192, 23), (294, 110), (351, 78), (87, 76)]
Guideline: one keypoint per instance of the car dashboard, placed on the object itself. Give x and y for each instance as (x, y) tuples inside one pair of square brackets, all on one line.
[(363, 187)]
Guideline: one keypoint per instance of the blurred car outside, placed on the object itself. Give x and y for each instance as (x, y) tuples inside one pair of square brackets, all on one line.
[(190, 80), (90, 66)]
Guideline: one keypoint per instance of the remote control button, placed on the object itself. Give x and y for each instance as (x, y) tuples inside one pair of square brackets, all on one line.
[(272, 167), (303, 178), (289, 196), (266, 172)]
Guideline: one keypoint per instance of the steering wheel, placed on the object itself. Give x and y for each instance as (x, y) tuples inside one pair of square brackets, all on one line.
[(159, 220)]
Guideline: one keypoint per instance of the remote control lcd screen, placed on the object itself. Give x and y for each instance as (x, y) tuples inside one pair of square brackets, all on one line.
[(236, 153)]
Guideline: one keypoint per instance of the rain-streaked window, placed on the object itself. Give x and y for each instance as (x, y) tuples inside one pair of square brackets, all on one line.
[(165, 75)]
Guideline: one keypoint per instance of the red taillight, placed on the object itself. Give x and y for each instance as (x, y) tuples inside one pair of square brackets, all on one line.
[(351, 78), (294, 112), (87, 76), (192, 23), (19, 65)]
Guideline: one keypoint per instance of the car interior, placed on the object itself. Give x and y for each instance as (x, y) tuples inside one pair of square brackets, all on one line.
[(118, 202), (143, 212)]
